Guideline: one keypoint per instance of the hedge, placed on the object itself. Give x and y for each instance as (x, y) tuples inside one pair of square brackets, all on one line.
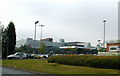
[(110, 62)]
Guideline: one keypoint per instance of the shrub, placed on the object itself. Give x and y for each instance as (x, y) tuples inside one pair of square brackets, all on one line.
[(110, 62)]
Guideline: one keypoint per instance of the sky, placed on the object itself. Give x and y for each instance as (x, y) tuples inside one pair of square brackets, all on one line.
[(71, 20)]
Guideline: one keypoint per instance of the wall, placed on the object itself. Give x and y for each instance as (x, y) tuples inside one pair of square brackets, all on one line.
[(111, 45)]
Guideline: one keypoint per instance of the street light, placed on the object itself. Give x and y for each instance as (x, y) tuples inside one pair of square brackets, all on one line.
[(35, 38), (41, 31), (104, 34), (7, 45)]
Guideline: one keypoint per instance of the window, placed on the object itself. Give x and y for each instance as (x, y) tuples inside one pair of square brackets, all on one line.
[(118, 46), (17, 54), (113, 48), (80, 45)]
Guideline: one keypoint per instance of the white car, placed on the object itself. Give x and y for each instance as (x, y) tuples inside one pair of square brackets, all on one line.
[(17, 55), (39, 56), (44, 56)]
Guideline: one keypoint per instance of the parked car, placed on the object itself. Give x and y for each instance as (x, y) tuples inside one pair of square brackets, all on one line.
[(31, 56), (44, 56), (17, 55), (39, 56)]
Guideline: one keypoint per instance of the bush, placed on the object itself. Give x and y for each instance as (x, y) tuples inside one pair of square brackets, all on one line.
[(110, 62)]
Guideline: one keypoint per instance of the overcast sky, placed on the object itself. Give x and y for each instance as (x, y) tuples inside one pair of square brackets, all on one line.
[(72, 20)]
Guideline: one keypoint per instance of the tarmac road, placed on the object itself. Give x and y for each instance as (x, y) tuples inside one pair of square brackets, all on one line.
[(15, 72)]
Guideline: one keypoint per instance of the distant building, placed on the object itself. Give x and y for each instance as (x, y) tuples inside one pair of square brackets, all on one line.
[(113, 46), (61, 40), (53, 46), (79, 48), (30, 42), (49, 39), (78, 44)]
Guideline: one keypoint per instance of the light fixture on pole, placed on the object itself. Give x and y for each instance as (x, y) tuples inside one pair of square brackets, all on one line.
[(35, 38), (41, 31), (7, 46), (104, 34)]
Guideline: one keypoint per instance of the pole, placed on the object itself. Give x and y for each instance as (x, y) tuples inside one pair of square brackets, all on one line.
[(104, 35), (34, 42), (35, 38), (7, 46), (41, 32)]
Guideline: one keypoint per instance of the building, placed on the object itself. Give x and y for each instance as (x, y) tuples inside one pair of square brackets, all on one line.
[(60, 46), (79, 48), (30, 42), (113, 46), (49, 39), (77, 45)]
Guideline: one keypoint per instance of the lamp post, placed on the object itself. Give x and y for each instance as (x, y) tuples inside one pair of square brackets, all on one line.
[(35, 38), (104, 35), (41, 31), (7, 46)]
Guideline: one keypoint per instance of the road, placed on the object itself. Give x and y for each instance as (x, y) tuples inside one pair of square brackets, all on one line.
[(16, 72), (13, 71)]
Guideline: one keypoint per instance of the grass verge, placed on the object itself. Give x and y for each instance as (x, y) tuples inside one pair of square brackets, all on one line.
[(54, 68)]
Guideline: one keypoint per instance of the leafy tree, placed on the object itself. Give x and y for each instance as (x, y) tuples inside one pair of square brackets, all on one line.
[(4, 43), (102, 50), (118, 40), (8, 39), (42, 48), (11, 33), (22, 48)]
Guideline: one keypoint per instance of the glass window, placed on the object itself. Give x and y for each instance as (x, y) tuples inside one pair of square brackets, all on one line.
[(113, 48), (17, 54), (118, 46)]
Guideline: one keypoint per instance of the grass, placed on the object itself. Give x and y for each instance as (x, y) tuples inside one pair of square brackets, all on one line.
[(54, 68)]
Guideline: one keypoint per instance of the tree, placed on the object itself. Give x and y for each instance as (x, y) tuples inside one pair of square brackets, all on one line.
[(8, 40), (12, 38), (42, 48), (4, 43), (23, 48), (102, 50)]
